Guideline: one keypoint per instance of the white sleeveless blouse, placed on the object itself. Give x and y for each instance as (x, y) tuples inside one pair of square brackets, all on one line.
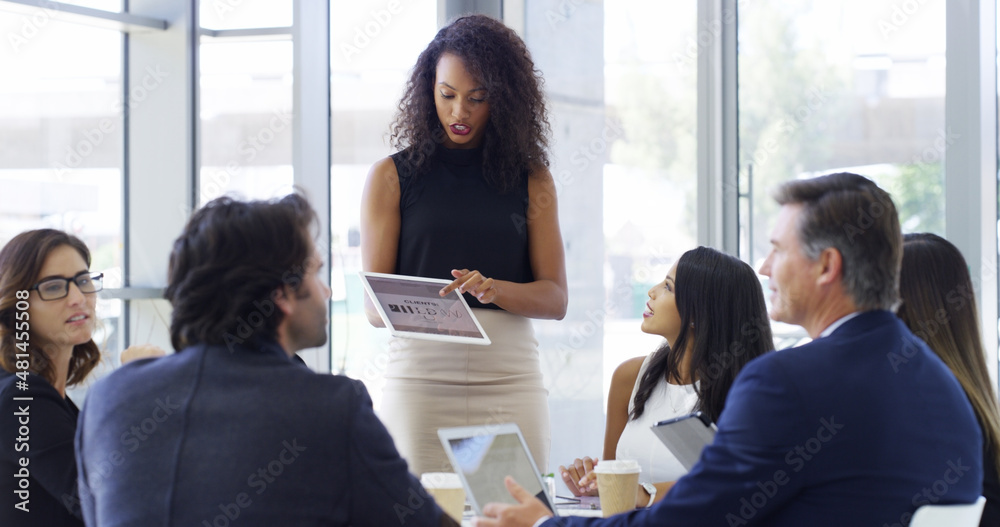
[(638, 442)]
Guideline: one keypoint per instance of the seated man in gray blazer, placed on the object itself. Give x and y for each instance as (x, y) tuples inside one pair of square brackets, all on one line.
[(230, 430)]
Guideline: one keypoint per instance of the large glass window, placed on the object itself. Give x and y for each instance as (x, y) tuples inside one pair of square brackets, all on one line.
[(62, 130), (621, 81), (246, 101), (650, 172), (244, 14), (246, 118), (373, 45), (853, 86)]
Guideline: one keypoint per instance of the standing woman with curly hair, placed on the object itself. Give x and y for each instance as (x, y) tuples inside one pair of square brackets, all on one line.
[(469, 197)]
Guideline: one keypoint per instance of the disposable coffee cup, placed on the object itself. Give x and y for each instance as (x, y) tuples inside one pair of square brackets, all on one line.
[(447, 490), (617, 485)]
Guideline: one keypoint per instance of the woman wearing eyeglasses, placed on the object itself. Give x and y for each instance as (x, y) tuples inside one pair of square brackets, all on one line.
[(46, 322)]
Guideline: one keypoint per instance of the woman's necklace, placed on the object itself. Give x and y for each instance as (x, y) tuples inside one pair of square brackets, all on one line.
[(677, 397)]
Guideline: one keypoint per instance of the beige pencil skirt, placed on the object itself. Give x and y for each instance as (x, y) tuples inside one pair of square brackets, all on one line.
[(431, 385)]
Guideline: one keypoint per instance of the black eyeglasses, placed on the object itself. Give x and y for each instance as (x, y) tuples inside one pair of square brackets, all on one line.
[(56, 288)]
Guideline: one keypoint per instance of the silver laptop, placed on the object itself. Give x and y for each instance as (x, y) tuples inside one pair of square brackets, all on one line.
[(483, 455)]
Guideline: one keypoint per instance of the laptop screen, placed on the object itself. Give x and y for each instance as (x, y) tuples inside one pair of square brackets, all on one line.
[(484, 455)]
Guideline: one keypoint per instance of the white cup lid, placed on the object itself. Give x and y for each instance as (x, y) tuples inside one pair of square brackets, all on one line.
[(440, 480), (617, 466)]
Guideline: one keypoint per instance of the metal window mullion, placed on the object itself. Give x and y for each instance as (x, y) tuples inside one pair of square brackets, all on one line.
[(88, 16), (718, 183), (970, 153), (126, 202), (161, 114), (311, 136)]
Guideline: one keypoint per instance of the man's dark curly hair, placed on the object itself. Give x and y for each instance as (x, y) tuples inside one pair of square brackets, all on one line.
[(516, 135), (227, 264)]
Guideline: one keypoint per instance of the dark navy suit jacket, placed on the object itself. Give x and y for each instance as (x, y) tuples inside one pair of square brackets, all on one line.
[(858, 428), (212, 437)]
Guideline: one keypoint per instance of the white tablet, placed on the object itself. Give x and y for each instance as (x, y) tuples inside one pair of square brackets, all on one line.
[(411, 307), (686, 436)]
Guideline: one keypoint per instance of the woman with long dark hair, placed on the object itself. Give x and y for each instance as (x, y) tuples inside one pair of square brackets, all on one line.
[(469, 198), (47, 318), (710, 309), (939, 306)]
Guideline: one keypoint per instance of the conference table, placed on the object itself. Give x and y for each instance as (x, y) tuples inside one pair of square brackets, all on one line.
[(588, 506)]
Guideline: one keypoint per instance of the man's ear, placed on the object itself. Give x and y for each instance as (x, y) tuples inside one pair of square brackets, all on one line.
[(831, 264), (282, 299)]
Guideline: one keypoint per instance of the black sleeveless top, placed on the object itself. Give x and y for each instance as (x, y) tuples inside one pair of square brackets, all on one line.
[(451, 218)]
